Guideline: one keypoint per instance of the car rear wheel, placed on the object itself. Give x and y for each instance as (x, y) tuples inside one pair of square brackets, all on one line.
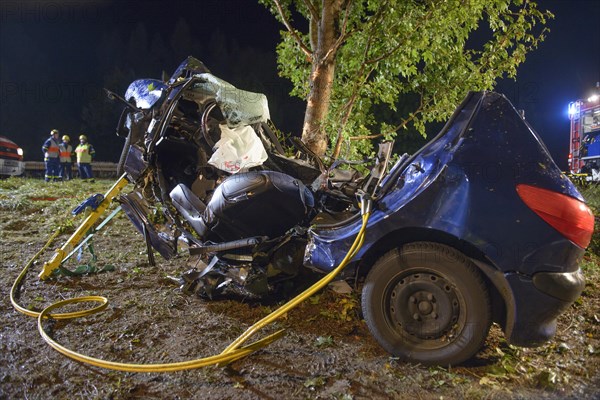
[(427, 303)]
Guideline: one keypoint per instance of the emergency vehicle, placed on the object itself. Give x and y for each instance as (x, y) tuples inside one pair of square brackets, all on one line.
[(11, 158), (584, 152)]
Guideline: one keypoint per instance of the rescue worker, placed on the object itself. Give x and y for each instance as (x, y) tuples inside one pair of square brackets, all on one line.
[(85, 152), (66, 159), (51, 157)]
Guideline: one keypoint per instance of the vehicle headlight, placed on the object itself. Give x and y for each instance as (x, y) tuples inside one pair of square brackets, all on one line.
[(20, 151)]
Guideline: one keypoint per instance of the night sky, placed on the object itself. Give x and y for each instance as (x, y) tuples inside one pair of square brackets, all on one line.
[(56, 56)]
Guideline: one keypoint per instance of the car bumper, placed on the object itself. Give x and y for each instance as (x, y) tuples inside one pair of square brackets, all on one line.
[(539, 300), (11, 167)]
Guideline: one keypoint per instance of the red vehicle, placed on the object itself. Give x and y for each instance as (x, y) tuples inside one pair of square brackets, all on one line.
[(11, 158), (584, 152)]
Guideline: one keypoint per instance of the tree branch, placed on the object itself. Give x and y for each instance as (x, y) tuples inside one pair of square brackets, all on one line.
[(366, 137), (360, 80), (344, 34), (348, 109), (422, 108), (289, 27), (314, 13), (402, 124)]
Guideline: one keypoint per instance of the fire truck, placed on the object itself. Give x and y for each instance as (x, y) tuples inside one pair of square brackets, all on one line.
[(584, 153)]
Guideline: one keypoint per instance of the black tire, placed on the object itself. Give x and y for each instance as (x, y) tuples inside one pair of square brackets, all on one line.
[(427, 303)]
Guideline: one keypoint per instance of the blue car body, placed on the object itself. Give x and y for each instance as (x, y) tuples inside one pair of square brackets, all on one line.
[(461, 190), (469, 189)]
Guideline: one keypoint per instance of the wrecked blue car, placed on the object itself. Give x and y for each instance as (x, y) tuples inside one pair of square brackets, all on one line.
[(479, 226)]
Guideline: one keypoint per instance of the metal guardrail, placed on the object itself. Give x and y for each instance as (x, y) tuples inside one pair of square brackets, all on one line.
[(101, 169)]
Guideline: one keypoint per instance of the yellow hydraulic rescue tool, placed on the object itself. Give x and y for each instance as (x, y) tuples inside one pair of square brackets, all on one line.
[(82, 230)]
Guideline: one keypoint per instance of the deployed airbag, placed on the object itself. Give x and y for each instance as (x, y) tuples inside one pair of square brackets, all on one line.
[(239, 148)]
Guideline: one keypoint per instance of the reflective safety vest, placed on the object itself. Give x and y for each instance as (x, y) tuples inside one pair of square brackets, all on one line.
[(66, 150), (84, 153), (50, 149)]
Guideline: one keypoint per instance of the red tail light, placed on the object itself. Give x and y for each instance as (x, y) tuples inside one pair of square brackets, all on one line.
[(571, 217)]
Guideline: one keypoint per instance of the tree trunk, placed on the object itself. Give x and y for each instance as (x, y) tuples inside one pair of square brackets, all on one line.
[(317, 108), (321, 78)]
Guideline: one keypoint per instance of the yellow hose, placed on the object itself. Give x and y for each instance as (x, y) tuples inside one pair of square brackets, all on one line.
[(231, 353), (127, 367), (76, 314)]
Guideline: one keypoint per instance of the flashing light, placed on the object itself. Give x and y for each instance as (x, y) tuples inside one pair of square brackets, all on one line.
[(573, 108), (20, 151), (593, 98)]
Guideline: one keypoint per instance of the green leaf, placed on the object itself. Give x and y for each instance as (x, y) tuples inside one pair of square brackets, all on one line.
[(314, 382), (546, 380), (324, 341)]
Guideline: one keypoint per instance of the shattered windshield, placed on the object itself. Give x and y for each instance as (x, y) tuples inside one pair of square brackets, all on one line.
[(239, 107)]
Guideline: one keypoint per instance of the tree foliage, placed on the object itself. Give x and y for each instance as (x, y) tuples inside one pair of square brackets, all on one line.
[(387, 51)]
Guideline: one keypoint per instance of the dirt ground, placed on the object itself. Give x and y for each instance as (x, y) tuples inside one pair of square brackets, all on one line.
[(326, 353)]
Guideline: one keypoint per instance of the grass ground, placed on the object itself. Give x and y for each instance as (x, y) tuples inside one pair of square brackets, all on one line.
[(327, 353)]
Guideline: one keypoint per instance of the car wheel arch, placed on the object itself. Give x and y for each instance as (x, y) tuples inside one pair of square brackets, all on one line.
[(501, 297)]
